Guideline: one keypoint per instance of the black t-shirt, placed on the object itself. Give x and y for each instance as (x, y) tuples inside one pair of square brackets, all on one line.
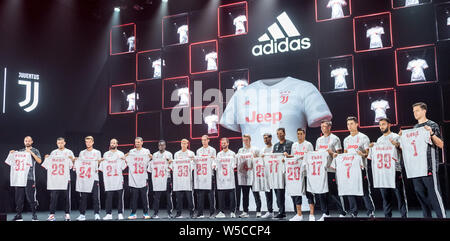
[(283, 147)]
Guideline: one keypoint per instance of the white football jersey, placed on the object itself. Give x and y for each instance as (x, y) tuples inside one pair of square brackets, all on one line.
[(182, 174), (336, 8), (316, 171), (417, 67), (159, 169), (137, 162), (299, 150), (183, 34), (224, 165), (244, 171), (380, 107), (411, 2), (212, 121), (87, 170), (339, 78), (184, 154), (414, 144), (131, 99), (330, 142), (384, 156), (206, 152), (112, 167), (166, 155), (260, 176), (295, 177), (239, 84), (157, 68), (374, 34), (267, 149), (20, 163), (348, 174), (211, 59), (58, 165), (275, 169), (183, 93), (203, 172), (359, 142), (266, 105), (387, 140), (92, 155), (239, 23), (131, 43)]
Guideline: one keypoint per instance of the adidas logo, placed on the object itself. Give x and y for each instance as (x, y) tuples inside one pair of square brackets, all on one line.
[(288, 34)]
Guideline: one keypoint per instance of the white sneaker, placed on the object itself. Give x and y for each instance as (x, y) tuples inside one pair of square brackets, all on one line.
[(108, 217), (258, 214), (220, 215), (267, 215), (323, 217), (67, 217), (232, 215), (244, 215), (120, 216), (81, 218), (156, 217), (51, 217), (312, 218), (296, 218), (201, 216), (341, 216), (97, 216)]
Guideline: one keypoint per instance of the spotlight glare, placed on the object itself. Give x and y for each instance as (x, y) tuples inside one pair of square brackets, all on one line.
[(117, 9), (164, 1)]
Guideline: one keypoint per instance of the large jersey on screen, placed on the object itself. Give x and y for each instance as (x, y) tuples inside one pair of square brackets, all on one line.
[(414, 144), (182, 174), (112, 167), (266, 105), (58, 167), (20, 163), (275, 169), (316, 171), (159, 169), (383, 156), (225, 164), (295, 177), (86, 170), (348, 174), (137, 162), (203, 172)]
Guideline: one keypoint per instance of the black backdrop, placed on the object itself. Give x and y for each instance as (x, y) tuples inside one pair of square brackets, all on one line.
[(77, 72)]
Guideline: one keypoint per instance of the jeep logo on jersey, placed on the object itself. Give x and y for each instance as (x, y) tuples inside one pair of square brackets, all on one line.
[(281, 40)]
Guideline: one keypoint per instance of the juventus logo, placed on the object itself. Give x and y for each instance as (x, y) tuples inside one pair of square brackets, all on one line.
[(31, 86), (284, 97)]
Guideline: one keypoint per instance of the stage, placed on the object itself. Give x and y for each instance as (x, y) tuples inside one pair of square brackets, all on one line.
[(413, 215)]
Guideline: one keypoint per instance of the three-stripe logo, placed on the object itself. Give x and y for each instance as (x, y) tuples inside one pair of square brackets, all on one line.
[(288, 34)]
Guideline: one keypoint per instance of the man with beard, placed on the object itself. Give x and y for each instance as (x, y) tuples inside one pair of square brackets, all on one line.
[(389, 137)]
